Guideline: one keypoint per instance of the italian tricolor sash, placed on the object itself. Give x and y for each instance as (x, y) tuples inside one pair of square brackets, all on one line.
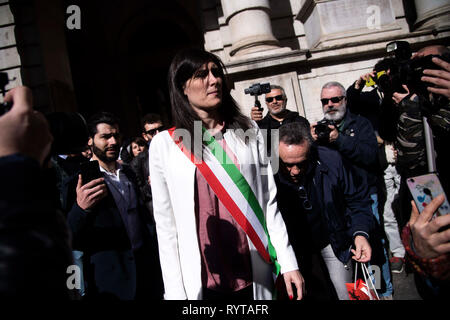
[(233, 190)]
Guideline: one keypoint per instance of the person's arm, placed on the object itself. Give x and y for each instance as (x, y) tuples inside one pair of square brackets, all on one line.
[(23, 130), (166, 228), (439, 78), (427, 241), (33, 232), (256, 114), (358, 211)]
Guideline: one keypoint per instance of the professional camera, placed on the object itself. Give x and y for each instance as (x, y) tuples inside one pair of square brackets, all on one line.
[(405, 70), (69, 129), (256, 90), (323, 131)]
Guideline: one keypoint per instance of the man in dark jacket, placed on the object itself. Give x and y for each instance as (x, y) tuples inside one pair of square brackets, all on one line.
[(110, 225), (276, 101), (151, 125), (354, 138), (325, 211)]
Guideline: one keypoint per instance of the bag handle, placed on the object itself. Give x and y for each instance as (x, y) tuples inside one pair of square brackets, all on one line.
[(367, 279), (369, 276)]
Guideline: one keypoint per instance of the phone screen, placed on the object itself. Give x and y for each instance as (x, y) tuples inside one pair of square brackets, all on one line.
[(424, 189), (90, 170)]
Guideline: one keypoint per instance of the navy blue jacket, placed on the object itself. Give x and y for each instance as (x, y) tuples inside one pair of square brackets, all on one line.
[(357, 143), (343, 206), (120, 257)]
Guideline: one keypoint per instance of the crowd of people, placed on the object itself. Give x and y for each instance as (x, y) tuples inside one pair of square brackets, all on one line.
[(195, 209)]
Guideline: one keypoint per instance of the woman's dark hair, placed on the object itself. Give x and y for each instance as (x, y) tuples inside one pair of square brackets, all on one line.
[(184, 65)]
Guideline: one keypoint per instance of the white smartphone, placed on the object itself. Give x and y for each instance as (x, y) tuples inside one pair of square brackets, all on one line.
[(424, 189)]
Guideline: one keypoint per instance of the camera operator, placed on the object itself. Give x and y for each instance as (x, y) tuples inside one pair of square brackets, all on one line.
[(276, 101), (34, 239), (431, 269), (411, 106), (372, 105)]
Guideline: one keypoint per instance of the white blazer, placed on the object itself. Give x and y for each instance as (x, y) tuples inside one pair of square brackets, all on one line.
[(172, 177)]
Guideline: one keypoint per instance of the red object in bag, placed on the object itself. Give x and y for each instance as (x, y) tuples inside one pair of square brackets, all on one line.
[(359, 291)]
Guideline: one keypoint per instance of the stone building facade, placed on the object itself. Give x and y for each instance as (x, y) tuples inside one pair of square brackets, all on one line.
[(119, 56)]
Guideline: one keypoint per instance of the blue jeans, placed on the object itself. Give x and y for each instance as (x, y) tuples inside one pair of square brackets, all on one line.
[(385, 269)]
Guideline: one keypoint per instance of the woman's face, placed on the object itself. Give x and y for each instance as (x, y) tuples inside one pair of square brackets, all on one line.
[(204, 89), (136, 149)]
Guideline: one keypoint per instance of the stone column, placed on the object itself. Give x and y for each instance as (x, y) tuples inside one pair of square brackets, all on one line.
[(433, 14), (250, 26)]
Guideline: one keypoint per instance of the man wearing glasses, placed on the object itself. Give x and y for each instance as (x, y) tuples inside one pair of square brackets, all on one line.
[(327, 215), (354, 138), (276, 101), (151, 125)]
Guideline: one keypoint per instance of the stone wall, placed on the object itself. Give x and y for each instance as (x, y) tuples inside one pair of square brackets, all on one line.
[(315, 41)]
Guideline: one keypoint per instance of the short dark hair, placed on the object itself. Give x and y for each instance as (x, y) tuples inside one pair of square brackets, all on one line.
[(295, 133), (150, 118), (101, 117)]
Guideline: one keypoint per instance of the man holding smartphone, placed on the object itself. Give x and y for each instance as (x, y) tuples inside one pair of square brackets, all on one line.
[(110, 224)]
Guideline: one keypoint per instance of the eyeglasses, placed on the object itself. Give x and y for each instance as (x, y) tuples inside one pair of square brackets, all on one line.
[(152, 132), (203, 73), (278, 98), (304, 196), (334, 100)]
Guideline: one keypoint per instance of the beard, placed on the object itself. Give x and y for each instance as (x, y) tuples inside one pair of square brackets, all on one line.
[(338, 115), (280, 111), (101, 154)]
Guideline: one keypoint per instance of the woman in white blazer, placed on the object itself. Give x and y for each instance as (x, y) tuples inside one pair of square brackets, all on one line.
[(199, 97)]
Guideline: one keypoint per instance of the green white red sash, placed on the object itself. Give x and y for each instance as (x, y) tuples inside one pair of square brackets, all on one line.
[(238, 197)]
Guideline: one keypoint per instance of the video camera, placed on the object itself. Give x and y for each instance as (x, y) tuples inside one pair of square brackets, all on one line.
[(323, 131), (405, 70), (69, 129), (256, 90)]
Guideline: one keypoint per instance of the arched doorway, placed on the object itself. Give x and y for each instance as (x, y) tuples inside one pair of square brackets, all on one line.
[(121, 55)]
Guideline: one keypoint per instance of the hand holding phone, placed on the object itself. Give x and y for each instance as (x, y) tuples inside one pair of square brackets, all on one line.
[(91, 187), (424, 189)]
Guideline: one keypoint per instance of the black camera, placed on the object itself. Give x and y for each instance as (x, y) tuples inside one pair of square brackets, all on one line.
[(323, 131), (256, 90), (405, 70)]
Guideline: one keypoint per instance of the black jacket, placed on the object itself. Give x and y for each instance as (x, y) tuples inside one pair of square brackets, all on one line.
[(118, 250), (341, 205), (357, 143), (268, 123)]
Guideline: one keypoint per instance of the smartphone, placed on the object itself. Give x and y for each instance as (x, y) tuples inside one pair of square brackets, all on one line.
[(424, 189), (90, 170)]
